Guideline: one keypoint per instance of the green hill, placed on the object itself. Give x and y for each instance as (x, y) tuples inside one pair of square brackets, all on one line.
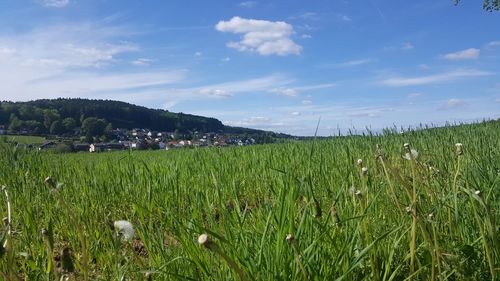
[(58, 116)]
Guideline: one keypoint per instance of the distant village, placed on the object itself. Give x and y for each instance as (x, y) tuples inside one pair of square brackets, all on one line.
[(142, 139)]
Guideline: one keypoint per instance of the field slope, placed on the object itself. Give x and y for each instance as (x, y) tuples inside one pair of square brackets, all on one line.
[(291, 211)]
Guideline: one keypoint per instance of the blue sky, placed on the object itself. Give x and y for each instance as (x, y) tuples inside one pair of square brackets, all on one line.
[(273, 65)]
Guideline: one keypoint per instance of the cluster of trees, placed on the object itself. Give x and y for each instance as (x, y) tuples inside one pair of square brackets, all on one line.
[(36, 120), (94, 117)]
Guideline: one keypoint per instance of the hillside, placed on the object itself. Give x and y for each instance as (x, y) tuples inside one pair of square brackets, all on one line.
[(55, 116)]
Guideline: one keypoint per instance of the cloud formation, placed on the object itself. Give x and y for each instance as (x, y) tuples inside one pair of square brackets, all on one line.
[(248, 4), (437, 78), (293, 92), (261, 36), (352, 63), (467, 54), (55, 3), (454, 103)]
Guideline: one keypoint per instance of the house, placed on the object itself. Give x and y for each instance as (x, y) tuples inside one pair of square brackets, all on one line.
[(162, 145), (81, 147), (98, 147), (47, 145)]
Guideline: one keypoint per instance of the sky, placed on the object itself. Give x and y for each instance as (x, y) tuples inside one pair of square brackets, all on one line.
[(282, 66)]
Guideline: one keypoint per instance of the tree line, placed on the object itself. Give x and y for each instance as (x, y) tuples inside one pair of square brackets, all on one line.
[(95, 117)]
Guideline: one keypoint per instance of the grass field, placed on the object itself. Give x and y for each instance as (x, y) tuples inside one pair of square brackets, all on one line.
[(292, 211), (24, 139)]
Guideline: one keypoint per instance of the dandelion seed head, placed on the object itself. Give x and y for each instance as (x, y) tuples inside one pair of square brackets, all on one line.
[(125, 229), (203, 239), (289, 238), (359, 162), (364, 171), (413, 154)]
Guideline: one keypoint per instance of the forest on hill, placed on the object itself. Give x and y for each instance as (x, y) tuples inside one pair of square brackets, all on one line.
[(79, 116)]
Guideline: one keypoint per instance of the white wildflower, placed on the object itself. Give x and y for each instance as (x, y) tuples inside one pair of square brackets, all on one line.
[(125, 229), (413, 154), (359, 162)]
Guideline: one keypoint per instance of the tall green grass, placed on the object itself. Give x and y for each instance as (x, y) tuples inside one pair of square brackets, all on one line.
[(430, 218)]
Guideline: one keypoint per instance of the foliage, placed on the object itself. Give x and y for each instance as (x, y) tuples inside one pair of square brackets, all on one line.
[(488, 5), (288, 211), (93, 126), (120, 114)]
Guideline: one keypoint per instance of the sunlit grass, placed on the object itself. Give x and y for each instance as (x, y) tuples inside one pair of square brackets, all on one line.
[(23, 139), (291, 211)]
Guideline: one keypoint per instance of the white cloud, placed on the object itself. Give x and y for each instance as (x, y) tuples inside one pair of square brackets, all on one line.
[(142, 62), (284, 91), (407, 46), (307, 102), (437, 78), (295, 113), (308, 16), (55, 3), (352, 63), (493, 44), (261, 36), (198, 54), (292, 92), (471, 53), (414, 95), (226, 59), (72, 60), (217, 93), (222, 90), (248, 4), (249, 122), (454, 103), (306, 36), (345, 18), (365, 113)]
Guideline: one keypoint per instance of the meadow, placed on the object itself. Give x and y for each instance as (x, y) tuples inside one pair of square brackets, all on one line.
[(348, 208), (21, 139)]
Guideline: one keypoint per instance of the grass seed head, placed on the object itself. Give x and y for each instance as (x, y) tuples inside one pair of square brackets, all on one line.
[(50, 182), (406, 146), (358, 193), (412, 154), (459, 149), (364, 171)]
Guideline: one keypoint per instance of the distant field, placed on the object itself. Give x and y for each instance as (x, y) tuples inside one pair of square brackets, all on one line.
[(291, 211), (24, 139)]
